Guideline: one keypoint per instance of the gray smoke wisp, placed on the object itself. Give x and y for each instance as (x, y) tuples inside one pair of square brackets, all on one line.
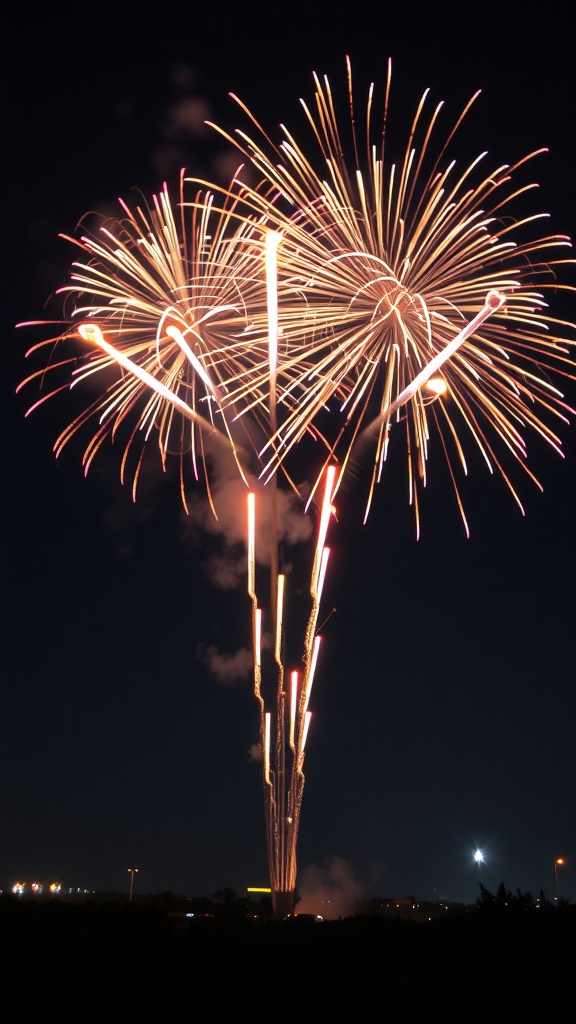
[(331, 891), (227, 669)]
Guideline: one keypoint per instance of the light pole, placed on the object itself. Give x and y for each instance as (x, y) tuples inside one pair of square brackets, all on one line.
[(132, 872), (557, 862)]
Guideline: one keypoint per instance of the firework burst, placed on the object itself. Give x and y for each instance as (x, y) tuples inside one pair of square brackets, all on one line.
[(162, 300), (382, 265), (343, 299)]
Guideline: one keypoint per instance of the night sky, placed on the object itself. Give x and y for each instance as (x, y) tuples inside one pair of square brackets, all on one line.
[(444, 703)]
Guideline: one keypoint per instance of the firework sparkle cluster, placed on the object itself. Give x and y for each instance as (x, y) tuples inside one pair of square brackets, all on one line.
[(342, 301), (380, 266)]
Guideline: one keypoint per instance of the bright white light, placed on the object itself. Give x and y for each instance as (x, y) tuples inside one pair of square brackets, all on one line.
[(479, 857)]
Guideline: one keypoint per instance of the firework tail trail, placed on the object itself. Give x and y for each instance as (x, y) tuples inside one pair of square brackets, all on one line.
[(281, 739), (274, 796)]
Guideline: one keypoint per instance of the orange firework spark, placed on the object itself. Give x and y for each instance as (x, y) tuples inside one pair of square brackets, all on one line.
[(381, 266)]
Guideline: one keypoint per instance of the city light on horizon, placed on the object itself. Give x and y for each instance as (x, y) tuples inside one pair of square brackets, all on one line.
[(41, 888), (559, 862), (132, 872)]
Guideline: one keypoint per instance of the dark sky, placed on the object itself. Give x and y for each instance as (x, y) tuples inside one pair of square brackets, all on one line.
[(444, 706)]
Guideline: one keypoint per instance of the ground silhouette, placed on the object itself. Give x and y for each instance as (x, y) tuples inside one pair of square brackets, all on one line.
[(111, 959)]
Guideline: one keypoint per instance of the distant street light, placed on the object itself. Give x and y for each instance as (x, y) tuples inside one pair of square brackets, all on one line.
[(558, 861), (132, 872)]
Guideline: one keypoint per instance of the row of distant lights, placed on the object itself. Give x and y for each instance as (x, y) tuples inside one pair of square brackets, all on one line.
[(38, 888), (480, 858)]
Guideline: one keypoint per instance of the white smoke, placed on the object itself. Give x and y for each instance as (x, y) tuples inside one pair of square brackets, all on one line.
[(227, 669), (226, 571), (182, 127), (280, 519), (185, 139), (331, 891), (185, 118)]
